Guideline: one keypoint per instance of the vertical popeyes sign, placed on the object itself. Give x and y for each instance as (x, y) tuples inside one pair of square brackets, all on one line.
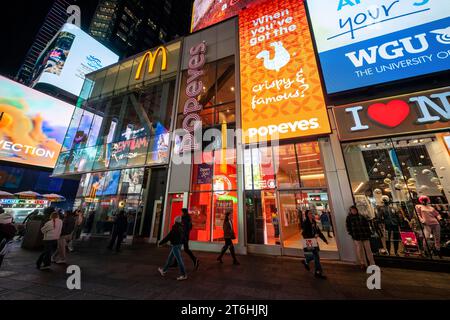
[(192, 107), (281, 91)]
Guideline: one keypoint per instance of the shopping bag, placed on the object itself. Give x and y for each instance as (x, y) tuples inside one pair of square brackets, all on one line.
[(309, 244)]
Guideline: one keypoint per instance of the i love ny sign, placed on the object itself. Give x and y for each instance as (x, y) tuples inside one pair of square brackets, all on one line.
[(418, 112)]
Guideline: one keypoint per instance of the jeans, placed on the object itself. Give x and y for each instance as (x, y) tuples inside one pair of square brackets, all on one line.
[(50, 247), (175, 252), (362, 250), (314, 255)]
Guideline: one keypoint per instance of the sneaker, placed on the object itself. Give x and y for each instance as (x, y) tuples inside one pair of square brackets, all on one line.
[(70, 249), (196, 264), (236, 263), (45, 268), (181, 278), (61, 261), (318, 275), (161, 271), (306, 265), (220, 260)]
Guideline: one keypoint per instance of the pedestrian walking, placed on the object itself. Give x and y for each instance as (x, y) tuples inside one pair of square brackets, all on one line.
[(359, 229), (176, 239), (325, 219), (186, 221), (67, 229), (52, 232), (312, 231), (119, 229), (229, 236)]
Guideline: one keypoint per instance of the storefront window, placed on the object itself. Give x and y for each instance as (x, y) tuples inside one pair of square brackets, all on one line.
[(223, 202), (287, 174), (200, 211), (312, 174), (388, 177)]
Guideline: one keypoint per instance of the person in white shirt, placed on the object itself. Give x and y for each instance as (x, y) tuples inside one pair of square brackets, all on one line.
[(52, 232)]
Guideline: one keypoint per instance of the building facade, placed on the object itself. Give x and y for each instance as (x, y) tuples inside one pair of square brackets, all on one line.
[(254, 130)]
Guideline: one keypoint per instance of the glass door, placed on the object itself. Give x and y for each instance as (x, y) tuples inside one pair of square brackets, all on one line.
[(293, 208)]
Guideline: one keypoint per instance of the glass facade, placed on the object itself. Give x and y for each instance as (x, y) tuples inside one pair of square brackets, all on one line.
[(213, 187), (119, 131), (388, 176), (281, 184)]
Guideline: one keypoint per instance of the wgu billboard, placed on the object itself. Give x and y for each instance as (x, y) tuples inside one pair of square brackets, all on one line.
[(368, 42)]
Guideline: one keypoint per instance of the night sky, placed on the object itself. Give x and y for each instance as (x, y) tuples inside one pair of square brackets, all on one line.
[(20, 23)]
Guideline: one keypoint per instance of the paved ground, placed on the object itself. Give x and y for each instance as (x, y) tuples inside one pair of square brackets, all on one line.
[(132, 274)]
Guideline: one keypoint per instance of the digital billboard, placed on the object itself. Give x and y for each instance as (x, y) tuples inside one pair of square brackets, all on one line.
[(69, 57), (281, 94), (208, 12), (364, 43), (32, 125)]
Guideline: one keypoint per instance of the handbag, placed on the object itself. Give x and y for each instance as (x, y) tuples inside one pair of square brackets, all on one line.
[(309, 244)]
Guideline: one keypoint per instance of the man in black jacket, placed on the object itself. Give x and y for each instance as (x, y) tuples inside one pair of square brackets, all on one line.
[(119, 228), (176, 238), (186, 221)]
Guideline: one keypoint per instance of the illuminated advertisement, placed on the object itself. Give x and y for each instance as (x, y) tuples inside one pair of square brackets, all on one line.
[(32, 125), (363, 43), (209, 12), (69, 57), (109, 184), (280, 84), (131, 181)]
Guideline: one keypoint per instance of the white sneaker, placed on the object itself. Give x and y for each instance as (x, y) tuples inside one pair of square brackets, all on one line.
[(60, 261), (181, 278), (161, 271)]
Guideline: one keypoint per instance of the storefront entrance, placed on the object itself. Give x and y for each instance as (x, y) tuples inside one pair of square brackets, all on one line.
[(282, 183)]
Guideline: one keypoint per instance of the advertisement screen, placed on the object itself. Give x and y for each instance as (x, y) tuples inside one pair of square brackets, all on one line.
[(32, 125), (280, 85), (363, 43), (209, 12), (69, 57)]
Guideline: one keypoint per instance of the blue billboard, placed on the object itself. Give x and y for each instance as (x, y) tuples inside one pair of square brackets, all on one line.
[(364, 43)]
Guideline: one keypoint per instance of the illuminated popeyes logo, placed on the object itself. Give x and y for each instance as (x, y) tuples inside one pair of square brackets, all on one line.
[(151, 57), (194, 86), (281, 92)]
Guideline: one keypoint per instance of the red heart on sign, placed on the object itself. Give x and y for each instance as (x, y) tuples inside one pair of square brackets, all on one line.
[(391, 114)]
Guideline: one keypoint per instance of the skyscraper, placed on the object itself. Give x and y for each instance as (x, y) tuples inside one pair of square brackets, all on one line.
[(132, 26), (55, 19)]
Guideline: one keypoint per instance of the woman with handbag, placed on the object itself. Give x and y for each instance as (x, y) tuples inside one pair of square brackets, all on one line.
[(310, 233), (229, 236), (359, 229)]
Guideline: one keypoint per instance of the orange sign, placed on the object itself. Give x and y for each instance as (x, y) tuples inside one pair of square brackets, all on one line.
[(280, 86)]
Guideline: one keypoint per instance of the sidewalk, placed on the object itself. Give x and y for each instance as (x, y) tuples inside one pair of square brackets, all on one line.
[(132, 274)]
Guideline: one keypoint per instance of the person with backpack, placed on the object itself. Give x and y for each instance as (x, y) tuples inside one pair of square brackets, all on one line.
[(176, 238), (229, 236), (359, 229), (52, 232)]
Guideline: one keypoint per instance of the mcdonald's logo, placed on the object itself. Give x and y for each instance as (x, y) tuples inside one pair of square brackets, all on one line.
[(152, 56)]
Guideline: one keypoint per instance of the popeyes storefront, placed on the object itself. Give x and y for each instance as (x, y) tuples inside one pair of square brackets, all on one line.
[(285, 162)]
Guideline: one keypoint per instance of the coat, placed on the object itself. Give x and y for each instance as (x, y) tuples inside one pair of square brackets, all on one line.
[(187, 226), (310, 230), (228, 232), (358, 227), (120, 224), (175, 236)]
